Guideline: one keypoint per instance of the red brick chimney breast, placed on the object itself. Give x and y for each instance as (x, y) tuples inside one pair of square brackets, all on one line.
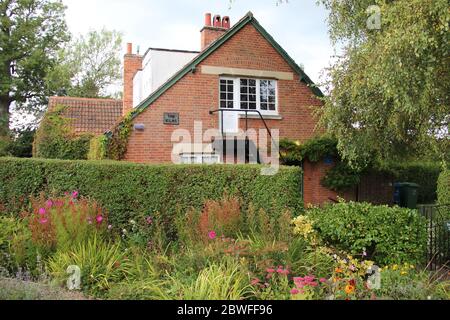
[(132, 63), (211, 31)]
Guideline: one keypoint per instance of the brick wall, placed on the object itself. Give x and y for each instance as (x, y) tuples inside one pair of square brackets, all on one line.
[(197, 93), (132, 63), (209, 35)]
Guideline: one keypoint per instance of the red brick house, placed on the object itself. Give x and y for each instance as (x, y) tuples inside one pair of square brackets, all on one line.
[(241, 79)]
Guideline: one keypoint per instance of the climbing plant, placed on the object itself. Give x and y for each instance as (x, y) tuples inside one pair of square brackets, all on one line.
[(55, 138), (117, 140)]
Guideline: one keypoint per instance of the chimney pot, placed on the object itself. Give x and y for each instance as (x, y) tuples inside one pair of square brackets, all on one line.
[(129, 48), (226, 22), (208, 20), (217, 21)]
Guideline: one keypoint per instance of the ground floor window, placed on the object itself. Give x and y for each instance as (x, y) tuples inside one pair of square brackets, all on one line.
[(199, 158)]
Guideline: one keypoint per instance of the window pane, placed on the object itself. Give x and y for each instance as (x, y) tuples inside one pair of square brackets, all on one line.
[(230, 96), (244, 105), (223, 104), (263, 106), (230, 104), (252, 82), (244, 82), (272, 107), (252, 105)]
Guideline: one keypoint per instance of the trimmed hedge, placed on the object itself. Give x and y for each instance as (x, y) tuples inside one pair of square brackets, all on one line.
[(130, 191), (387, 234), (443, 189)]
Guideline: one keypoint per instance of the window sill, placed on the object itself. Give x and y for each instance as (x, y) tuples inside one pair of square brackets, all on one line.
[(265, 116)]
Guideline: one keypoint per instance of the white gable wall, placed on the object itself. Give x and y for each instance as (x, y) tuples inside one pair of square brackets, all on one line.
[(158, 66)]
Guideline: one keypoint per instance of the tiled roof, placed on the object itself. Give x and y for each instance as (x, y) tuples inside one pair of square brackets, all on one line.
[(89, 115)]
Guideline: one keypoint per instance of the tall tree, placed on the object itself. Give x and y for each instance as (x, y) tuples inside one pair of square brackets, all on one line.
[(390, 87), (89, 66), (31, 32)]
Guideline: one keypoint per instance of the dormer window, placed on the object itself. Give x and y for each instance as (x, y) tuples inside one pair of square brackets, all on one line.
[(249, 94)]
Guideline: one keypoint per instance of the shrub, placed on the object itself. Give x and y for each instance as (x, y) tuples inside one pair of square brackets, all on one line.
[(132, 191), (226, 280), (101, 264), (17, 251), (443, 187), (60, 223), (386, 234), (404, 282), (97, 148), (55, 138)]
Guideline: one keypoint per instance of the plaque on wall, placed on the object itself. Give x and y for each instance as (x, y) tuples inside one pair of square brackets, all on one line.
[(171, 118)]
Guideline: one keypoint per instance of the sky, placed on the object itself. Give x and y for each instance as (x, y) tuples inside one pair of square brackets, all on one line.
[(298, 26)]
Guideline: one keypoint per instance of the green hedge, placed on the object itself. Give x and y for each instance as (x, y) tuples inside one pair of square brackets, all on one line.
[(131, 191), (388, 234), (443, 190)]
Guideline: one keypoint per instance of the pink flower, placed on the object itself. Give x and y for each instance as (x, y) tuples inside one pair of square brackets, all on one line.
[(49, 203), (42, 211), (149, 220), (295, 291), (255, 281), (75, 194), (298, 279), (280, 270), (89, 220), (109, 227), (212, 235), (270, 270), (43, 221), (323, 280), (99, 219)]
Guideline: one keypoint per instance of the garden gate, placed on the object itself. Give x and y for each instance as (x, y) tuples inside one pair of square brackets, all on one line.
[(438, 228)]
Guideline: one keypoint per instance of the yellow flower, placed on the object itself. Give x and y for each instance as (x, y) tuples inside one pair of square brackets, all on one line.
[(349, 289), (394, 267), (404, 273)]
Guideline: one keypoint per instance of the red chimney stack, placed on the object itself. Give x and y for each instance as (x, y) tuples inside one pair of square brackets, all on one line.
[(132, 63), (212, 30)]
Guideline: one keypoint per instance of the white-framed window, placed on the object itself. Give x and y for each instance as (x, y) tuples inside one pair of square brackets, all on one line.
[(249, 94), (199, 158)]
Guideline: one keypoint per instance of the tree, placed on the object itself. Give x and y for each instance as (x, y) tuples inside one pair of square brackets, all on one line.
[(389, 89), (88, 66), (31, 32)]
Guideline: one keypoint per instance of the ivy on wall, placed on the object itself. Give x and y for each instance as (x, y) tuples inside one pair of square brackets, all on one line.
[(117, 140), (55, 138), (341, 177)]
